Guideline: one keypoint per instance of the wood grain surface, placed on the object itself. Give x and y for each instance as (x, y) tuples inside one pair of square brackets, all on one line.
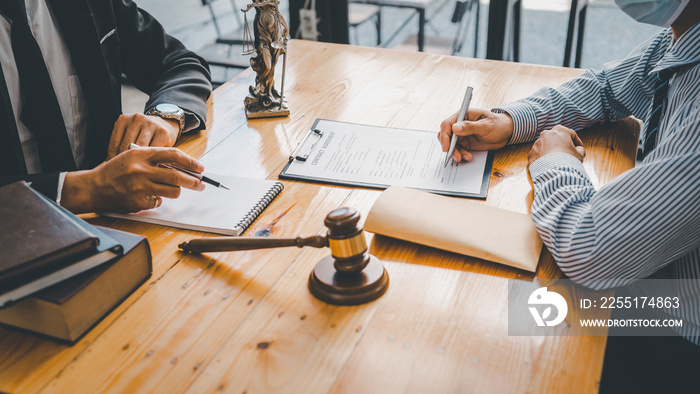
[(246, 322)]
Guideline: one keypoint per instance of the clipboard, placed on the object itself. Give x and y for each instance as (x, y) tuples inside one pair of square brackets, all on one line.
[(332, 152)]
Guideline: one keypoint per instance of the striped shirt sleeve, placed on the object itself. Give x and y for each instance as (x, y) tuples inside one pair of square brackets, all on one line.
[(596, 96), (634, 225), (646, 221)]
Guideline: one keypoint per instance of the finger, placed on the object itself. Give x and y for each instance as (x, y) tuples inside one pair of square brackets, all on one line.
[(581, 151), (174, 156), (171, 177), (160, 138), (159, 202), (141, 206), (456, 156), (150, 202), (117, 136), (532, 155), (575, 139), (144, 138), (130, 136), (464, 154), (474, 114), (446, 130), (478, 126), (167, 191), (446, 125), (444, 141), (572, 133)]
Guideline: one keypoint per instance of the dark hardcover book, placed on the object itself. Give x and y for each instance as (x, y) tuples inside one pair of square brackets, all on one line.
[(36, 236), (57, 266), (108, 248), (69, 309)]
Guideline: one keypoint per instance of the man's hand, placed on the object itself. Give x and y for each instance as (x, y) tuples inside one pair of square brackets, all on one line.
[(142, 130), (558, 139), (131, 182), (484, 130)]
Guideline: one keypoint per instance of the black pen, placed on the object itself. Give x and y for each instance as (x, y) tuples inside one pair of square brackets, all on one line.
[(197, 175)]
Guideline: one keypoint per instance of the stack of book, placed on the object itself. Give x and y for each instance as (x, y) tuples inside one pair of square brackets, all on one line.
[(59, 275)]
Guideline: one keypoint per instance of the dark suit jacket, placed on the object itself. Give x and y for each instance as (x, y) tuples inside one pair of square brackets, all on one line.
[(105, 39)]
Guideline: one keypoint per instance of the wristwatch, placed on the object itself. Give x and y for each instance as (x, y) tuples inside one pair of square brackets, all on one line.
[(169, 111)]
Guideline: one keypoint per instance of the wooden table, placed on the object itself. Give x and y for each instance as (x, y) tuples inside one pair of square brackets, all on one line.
[(245, 321)]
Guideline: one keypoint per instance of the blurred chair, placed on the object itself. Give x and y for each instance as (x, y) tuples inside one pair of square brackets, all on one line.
[(447, 45), (231, 40), (513, 27), (577, 22), (421, 8), (503, 30), (236, 12), (361, 13)]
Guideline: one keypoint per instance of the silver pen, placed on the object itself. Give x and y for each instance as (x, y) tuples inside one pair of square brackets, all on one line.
[(197, 175), (462, 115)]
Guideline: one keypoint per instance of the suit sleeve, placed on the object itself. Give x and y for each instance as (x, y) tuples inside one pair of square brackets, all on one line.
[(46, 184), (159, 64)]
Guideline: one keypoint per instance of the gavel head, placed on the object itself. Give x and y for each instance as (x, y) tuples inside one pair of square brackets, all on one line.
[(350, 275), (346, 240)]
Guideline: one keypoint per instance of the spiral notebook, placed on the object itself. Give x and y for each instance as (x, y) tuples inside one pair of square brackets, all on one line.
[(213, 210)]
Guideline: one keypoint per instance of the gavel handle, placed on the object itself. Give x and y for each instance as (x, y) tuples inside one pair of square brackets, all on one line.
[(226, 244)]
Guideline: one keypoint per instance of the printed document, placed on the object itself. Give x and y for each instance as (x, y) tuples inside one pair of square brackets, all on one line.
[(371, 156)]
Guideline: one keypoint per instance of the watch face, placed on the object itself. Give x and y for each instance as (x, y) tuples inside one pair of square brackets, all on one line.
[(167, 108)]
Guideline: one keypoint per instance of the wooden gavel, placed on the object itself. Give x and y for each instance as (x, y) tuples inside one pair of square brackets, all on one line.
[(349, 276)]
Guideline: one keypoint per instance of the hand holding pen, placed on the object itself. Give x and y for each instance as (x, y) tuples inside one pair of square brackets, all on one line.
[(481, 130), (131, 181), (197, 175)]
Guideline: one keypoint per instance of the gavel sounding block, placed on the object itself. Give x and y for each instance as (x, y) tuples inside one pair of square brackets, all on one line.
[(350, 275), (340, 288)]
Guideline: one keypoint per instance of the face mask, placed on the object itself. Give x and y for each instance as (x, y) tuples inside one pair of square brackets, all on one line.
[(659, 13)]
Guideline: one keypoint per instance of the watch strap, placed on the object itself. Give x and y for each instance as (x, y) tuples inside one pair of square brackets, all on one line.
[(179, 115)]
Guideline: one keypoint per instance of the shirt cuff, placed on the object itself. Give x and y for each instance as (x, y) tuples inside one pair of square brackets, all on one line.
[(553, 161), (61, 179), (524, 121), (191, 122)]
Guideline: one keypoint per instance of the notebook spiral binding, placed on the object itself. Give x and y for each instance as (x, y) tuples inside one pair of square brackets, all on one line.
[(260, 206)]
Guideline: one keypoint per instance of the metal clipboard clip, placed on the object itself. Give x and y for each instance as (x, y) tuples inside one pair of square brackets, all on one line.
[(306, 146)]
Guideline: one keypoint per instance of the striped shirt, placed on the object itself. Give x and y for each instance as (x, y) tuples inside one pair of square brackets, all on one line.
[(646, 222)]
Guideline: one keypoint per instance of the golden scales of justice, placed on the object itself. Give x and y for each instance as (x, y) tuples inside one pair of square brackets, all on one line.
[(349, 276), (268, 41)]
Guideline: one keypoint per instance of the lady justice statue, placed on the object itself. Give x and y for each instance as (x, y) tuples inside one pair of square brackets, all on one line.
[(270, 41)]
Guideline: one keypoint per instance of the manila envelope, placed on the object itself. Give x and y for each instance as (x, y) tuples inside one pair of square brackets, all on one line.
[(456, 225)]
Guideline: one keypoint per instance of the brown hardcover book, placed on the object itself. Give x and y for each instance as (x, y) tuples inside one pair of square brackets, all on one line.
[(69, 309), (36, 236)]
